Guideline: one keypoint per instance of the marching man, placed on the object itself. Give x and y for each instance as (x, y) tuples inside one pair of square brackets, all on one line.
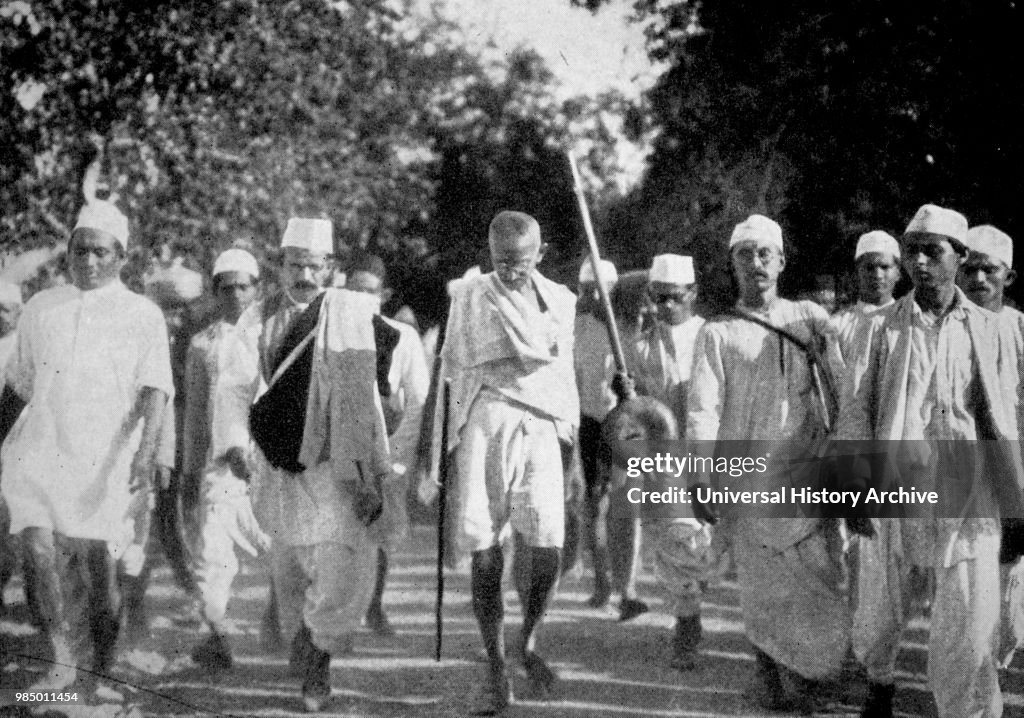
[(92, 372), (221, 370), (940, 380), (877, 261), (509, 353), (332, 457)]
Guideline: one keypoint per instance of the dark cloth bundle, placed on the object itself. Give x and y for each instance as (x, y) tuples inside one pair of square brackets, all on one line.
[(277, 420)]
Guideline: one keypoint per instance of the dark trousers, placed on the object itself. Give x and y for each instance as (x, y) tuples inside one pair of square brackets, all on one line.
[(74, 582)]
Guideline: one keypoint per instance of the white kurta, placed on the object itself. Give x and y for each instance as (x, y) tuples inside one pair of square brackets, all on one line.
[(933, 380), (847, 322), (749, 383), (663, 362), (80, 362)]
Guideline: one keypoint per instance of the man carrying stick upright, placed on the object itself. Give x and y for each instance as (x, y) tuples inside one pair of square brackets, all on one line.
[(508, 352)]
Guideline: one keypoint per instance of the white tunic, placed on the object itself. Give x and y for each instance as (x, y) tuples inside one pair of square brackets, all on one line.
[(81, 360)]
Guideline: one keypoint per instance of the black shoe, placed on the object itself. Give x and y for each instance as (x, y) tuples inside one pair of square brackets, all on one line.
[(684, 643), (316, 685), (878, 704), (213, 653), (630, 608)]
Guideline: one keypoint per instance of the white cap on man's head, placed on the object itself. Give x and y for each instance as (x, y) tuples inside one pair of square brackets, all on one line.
[(609, 273), (236, 260), (986, 239), (10, 293), (99, 214), (313, 235), (932, 219), (877, 241), (758, 228), (672, 269)]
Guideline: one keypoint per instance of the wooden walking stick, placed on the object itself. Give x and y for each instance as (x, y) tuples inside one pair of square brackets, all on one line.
[(634, 417), (602, 289), (442, 509)]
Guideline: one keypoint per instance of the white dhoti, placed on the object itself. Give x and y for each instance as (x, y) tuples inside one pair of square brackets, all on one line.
[(964, 634), (327, 586), (793, 599), (962, 665), (509, 476)]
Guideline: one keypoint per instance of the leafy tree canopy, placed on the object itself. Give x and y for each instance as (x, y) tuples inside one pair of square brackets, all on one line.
[(833, 117)]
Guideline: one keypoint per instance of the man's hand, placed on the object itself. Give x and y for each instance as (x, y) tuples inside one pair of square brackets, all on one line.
[(369, 504), (706, 512), (235, 458), (623, 386)]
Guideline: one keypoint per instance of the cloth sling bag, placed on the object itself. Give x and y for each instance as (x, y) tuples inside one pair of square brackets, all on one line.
[(278, 418)]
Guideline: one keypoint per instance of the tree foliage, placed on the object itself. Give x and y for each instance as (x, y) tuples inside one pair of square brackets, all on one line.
[(220, 118), (216, 120), (833, 117)]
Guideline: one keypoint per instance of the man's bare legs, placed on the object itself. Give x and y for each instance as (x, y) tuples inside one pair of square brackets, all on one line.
[(489, 609), (536, 576)]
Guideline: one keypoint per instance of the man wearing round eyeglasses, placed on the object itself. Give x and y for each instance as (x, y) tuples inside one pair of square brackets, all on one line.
[(664, 359), (750, 383)]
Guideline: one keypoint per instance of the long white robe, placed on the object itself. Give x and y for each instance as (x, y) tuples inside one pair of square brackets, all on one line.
[(749, 383)]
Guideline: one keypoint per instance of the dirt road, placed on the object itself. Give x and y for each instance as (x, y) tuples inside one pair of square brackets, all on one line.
[(608, 668)]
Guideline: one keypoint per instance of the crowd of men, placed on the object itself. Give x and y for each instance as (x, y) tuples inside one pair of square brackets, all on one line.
[(295, 425)]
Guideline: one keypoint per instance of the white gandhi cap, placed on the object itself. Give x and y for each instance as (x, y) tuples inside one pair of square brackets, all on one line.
[(609, 273), (933, 219), (672, 269), (986, 239), (313, 235), (877, 241), (757, 228), (106, 217), (236, 260)]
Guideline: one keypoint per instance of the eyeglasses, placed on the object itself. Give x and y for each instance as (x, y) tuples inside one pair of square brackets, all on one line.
[(666, 297), (747, 254), (520, 266)]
